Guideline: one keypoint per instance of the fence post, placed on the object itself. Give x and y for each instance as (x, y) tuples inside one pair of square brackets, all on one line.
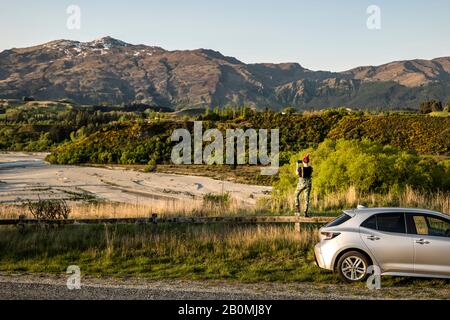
[(21, 224), (297, 225), (154, 220)]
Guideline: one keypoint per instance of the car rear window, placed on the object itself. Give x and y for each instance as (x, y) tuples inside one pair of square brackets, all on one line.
[(370, 223), (339, 220)]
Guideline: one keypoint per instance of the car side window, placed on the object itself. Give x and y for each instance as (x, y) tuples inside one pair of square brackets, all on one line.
[(421, 225), (391, 222), (438, 227)]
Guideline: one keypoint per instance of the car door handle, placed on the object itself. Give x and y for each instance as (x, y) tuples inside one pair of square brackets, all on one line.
[(422, 241), (373, 238)]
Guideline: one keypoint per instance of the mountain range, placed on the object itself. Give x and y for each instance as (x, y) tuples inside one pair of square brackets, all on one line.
[(111, 71)]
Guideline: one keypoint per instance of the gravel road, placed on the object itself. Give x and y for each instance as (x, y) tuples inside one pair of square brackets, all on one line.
[(45, 287)]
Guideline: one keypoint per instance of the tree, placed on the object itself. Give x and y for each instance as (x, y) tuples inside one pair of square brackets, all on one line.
[(436, 105), (425, 107), (28, 99), (288, 110), (447, 106), (430, 106)]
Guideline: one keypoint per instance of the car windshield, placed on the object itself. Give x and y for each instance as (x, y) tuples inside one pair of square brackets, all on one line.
[(339, 220)]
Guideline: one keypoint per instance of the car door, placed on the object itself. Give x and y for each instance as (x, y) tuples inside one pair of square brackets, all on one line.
[(431, 239), (385, 236)]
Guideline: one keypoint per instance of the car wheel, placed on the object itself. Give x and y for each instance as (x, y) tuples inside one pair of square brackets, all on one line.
[(352, 267)]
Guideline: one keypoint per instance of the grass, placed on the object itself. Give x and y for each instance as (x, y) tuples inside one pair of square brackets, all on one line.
[(211, 205), (222, 252), (225, 205), (333, 203), (439, 114), (195, 252), (217, 200)]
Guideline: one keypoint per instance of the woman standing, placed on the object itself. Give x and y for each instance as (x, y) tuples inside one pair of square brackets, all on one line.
[(304, 172)]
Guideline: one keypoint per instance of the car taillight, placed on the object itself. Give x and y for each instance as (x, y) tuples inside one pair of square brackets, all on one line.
[(329, 235)]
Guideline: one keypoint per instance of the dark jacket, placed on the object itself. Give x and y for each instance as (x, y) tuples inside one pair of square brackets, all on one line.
[(305, 172)]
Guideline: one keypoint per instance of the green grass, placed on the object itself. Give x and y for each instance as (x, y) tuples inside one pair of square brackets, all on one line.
[(226, 252), (194, 252)]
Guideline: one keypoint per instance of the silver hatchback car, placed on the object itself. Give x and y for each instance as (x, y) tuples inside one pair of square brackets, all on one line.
[(400, 241)]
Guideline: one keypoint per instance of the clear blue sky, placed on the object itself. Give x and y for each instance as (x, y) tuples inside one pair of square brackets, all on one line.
[(320, 35)]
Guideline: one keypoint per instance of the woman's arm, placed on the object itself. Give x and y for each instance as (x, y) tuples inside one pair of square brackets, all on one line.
[(298, 170)]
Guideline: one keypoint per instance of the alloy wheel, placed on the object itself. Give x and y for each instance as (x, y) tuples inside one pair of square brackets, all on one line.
[(354, 268)]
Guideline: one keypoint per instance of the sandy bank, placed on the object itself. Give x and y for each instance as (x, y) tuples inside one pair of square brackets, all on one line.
[(27, 176)]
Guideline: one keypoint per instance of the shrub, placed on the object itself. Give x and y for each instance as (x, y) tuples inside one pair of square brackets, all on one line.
[(151, 166), (447, 107), (425, 135), (28, 99), (49, 209), (137, 143), (430, 106), (368, 167), (216, 200)]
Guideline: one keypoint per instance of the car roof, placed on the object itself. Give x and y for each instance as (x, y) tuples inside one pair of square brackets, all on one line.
[(370, 211)]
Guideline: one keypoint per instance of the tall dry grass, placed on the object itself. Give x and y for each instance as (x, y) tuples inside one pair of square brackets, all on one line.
[(174, 241), (164, 208), (252, 253), (333, 202), (198, 238), (329, 204)]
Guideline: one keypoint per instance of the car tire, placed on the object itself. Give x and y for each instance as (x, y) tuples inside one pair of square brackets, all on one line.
[(352, 267)]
